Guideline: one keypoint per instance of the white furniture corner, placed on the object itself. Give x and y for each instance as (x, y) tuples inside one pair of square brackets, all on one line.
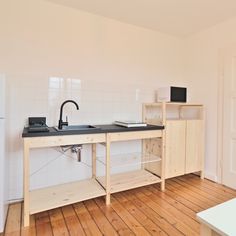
[(219, 220)]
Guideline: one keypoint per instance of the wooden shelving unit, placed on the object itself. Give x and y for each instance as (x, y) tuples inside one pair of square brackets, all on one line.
[(132, 179), (129, 180), (184, 136), (64, 194), (130, 159), (56, 196)]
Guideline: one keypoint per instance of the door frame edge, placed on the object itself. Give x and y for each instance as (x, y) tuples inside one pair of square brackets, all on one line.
[(220, 108)]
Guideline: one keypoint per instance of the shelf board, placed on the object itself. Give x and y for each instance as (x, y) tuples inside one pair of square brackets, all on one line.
[(174, 104), (183, 119), (129, 180), (64, 194), (129, 159)]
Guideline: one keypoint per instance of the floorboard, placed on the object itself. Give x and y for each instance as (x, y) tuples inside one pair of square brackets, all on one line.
[(151, 214), (103, 224), (146, 222), (13, 224), (42, 224), (72, 221), (89, 225), (142, 211), (114, 219)]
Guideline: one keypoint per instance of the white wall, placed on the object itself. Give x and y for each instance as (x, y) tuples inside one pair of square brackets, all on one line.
[(202, 71), (50, 53)]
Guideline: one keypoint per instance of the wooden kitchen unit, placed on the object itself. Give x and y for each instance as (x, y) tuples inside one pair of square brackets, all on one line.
[(60, 195), (184, 135)]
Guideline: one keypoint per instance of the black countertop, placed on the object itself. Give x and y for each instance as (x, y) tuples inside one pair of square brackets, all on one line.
[(100, 129)]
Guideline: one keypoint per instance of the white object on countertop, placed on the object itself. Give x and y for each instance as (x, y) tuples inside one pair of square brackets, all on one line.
[(220, 218), (3, 158), (129, 123)]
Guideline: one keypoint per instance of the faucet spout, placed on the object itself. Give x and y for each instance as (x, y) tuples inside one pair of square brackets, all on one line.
[(61, 122)]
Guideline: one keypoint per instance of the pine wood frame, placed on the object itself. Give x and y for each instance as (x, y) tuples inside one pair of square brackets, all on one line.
[(103, 138), (161, 119)]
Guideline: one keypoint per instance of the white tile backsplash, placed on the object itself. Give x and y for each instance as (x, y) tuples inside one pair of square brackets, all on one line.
[(108, 67), (99, 103)]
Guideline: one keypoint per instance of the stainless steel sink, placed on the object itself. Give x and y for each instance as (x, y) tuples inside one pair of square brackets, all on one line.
[(77, 128)]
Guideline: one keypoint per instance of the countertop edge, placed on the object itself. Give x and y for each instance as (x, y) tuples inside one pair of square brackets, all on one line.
[(110, 128)]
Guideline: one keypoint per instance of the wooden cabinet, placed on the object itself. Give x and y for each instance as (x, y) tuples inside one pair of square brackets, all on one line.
[(184, 135), (175, 148), (194, 145)]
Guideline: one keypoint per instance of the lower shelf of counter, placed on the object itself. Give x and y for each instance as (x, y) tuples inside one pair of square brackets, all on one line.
[(130, 180), (69, 193), (64, 194)]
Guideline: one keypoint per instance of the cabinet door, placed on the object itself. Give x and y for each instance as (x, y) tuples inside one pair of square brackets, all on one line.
[(175, 148), (194, 145)]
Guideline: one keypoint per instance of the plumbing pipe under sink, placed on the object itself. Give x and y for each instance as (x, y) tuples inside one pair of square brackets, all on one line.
[(74, 149)]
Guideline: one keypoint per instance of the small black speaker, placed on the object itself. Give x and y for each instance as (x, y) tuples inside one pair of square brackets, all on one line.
[(37, 121)]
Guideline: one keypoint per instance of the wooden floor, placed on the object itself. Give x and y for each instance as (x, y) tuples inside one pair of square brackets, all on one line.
[(142, 211)]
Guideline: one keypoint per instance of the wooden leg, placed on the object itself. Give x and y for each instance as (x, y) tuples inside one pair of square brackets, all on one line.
[(26, 185), (163, 185), (206, 231), (94, 156), (163, 158), (108, 181), (143, 153), (108, 199)]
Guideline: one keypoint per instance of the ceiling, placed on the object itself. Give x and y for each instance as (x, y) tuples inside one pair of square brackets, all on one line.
[(176, 17)]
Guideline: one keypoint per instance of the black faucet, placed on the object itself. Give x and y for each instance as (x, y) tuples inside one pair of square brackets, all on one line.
[(61, 122)]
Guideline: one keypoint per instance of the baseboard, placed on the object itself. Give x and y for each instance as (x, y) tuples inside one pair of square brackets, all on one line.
[(12, 201), (211, 177)]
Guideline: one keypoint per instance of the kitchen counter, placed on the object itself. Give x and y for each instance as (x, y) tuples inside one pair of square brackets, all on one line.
[(39, 200), (110, 128)]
